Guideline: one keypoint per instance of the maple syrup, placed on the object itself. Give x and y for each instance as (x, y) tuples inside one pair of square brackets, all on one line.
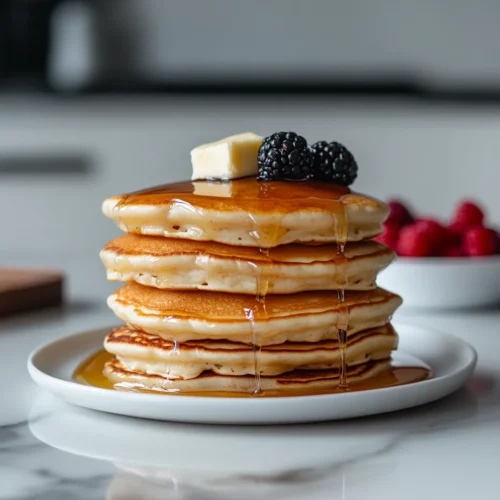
[(259, 311), (340, 232), (242, 194), (90, 372)]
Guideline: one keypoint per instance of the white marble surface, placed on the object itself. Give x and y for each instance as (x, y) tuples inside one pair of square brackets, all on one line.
[(51, 450)]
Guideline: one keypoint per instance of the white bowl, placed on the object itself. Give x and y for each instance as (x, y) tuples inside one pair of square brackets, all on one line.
[(444, 283)]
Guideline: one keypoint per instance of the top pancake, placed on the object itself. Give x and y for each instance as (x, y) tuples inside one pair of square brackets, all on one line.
[(247, 212)]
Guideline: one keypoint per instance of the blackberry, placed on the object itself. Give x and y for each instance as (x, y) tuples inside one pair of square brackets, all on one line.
[(333, 162), (284, 156)]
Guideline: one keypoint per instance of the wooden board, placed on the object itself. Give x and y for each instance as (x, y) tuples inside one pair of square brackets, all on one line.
[(24, 290)]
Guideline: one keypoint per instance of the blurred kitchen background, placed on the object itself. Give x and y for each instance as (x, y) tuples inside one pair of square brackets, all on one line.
[(105, 96)]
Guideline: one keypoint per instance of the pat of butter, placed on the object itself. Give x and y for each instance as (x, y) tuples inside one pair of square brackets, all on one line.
[(229, 158)]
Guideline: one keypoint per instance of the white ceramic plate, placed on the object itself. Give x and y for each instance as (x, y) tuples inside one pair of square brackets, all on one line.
[(451, 360), (440, 283)]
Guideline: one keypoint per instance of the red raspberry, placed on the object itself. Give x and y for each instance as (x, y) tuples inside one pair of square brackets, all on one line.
[(479, 242), (432, 227), (389, 236), (438, 234), (453, 251), (399, 214), (454, 234), (414, 243), (468, 214)]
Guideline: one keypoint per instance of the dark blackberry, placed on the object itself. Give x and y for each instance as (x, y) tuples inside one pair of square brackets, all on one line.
[(284, 156), (333, 162)]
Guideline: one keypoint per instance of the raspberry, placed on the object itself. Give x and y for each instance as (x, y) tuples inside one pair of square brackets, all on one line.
[(432, 227), (468, 214), (389, 236), (414, 242), (399, 214), (438, 234), (454, 234), (479, 242), (453, 251)]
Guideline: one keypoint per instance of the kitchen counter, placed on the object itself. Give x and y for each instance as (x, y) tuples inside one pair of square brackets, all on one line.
[(51, 450)]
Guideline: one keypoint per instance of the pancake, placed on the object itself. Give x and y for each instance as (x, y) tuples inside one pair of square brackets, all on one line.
[(247, 212), (181, 264), (140, 352), (297, 380), (299, 317)]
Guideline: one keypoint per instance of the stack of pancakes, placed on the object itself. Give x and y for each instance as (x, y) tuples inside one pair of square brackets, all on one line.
[(247, 286)]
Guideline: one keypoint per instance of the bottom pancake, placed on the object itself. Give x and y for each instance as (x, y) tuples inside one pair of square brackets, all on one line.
[(297, 380), (139, 352)]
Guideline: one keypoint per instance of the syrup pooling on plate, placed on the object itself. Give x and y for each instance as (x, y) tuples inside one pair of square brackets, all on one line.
[(90, 372)]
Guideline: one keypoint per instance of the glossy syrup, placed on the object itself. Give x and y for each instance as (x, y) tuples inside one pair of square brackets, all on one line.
[(258, 314), (243, 194), (90, 372), (340, 230)]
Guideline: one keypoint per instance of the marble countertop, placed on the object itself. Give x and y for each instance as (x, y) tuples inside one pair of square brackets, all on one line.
[(51, 450)]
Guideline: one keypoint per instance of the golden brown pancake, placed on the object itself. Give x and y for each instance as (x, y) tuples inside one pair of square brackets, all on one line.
[(183, 264), (297, 380), (247, 212), (138, 351), (305, 316)]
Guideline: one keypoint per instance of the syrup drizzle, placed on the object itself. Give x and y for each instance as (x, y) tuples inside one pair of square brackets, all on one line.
[(340, 229), (259, 312), (256, 346), (175, 348)]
